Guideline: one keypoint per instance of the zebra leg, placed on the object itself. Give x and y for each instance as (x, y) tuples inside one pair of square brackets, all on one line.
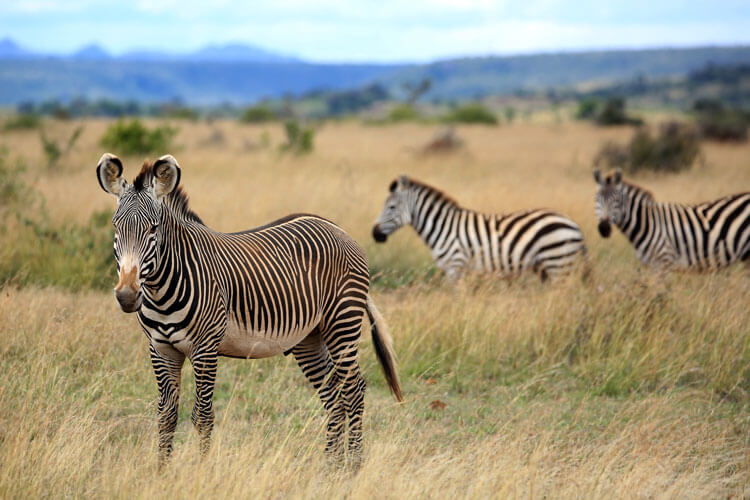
[(204, 367), (167, 363), (312, 356), (342, 340)]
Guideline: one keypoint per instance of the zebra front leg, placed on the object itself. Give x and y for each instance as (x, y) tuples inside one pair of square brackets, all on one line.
[(167, 363), (204, 368)]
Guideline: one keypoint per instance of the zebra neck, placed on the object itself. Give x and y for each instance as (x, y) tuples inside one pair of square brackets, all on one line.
[(174, 254), (432, 215), (640, 215)]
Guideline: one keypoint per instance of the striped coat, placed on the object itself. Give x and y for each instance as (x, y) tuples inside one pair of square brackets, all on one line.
[(298, 286), (701, 237), (461, 239)]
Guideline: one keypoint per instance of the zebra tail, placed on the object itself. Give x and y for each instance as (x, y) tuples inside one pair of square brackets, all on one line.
[(384, 348)]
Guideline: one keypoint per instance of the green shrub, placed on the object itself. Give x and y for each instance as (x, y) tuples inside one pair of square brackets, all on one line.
[(67, 254), (23, 121), (403, 113), (299, 138), (52, 148), (510, 114), (587, 109), (472, 113), (610, 112), (127, 137), (674, 148), (257, 114), (613, 112), (13, 191), (71, 255)]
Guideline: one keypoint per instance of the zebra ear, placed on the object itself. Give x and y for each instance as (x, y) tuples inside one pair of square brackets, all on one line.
[(166, 176), (597, 176), (402, 181), (109, 174), (617, 177)]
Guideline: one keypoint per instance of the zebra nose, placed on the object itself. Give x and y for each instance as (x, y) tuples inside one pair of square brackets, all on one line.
[(378, 235), (129, 299), (604, 228)]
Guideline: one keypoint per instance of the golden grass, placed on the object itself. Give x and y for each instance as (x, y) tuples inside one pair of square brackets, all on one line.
[(621, 386)]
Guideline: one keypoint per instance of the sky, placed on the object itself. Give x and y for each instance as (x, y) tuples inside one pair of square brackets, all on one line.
[(375, 31)]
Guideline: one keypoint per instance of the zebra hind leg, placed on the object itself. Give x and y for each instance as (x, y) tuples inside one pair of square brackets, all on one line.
[(312, 356), (342, 342), (204, 367), (168, 369)]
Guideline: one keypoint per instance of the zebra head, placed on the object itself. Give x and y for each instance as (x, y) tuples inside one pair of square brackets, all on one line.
[(396, 211), (137, 221), (610, 201)]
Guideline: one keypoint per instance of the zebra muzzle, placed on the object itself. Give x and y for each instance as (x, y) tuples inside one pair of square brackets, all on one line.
[(127, 291), (379, 235), (130, 300), (605, 229)]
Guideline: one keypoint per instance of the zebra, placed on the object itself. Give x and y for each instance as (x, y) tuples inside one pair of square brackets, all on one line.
[(701, 237), (298, 285), (461, 239)]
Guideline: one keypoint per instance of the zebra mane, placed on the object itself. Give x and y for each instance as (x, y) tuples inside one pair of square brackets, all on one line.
[(177, 200), (440, 194), (634, 187)]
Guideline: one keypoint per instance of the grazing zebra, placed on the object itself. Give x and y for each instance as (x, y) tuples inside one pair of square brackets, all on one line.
[(298, 285), (539, 240), (701, 237)]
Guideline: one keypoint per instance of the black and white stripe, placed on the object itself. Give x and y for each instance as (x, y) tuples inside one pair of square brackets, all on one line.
[(461, 239), (299, 285), (701, 237)]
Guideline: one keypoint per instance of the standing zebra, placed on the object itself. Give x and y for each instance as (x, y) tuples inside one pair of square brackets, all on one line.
[(298, 285), (701, 237), (539, 240)]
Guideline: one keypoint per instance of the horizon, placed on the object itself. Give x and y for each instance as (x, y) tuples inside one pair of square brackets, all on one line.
[(333, 31), (295, 58)]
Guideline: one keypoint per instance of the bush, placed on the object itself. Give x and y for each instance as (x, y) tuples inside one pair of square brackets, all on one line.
[(132, 137), (472, 113), (68, 254), (23, 121), (721, 124), (613, 113), (605, 113), (258, 114), (587, 108), (402, 113), (13, 191), (53, 150), (675, 148), (299, 139)]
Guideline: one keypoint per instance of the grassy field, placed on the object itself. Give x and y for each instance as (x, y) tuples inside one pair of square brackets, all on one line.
[(622, 386)]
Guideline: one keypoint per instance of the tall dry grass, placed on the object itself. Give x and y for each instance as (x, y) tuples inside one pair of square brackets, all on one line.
[(624, 385)]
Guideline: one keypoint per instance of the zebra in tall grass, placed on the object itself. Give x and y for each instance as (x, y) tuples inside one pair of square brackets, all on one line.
[(298, 285), (460, 239), (705, 236)]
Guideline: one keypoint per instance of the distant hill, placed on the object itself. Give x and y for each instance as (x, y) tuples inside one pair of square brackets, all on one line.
[(231, 52), (242, 74), (480, 76), (9, 49), (194, 82), (91, 52)]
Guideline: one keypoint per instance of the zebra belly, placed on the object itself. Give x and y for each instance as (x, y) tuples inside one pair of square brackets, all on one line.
[(240, 343)]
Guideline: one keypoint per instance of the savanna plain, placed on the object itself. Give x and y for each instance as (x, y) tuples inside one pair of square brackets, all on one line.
[(621, 385)]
